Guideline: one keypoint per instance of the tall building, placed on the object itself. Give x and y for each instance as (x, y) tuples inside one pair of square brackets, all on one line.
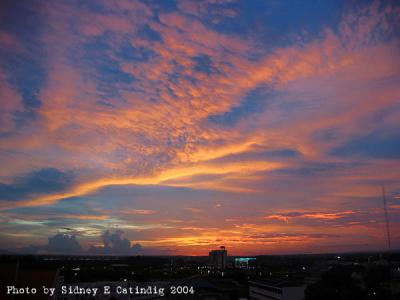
[(218, 258)]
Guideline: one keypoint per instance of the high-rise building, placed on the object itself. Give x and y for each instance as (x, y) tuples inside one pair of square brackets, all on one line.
[(218, 258)]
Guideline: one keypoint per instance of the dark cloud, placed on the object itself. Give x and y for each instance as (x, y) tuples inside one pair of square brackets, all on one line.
[(115, 243), (204, 64), (318, 168), (38, 182), (253, 103), (376, 145), (58, 244), (64, 243), (147, 32)]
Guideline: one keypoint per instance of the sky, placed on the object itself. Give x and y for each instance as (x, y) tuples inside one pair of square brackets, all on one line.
[(175, 127)]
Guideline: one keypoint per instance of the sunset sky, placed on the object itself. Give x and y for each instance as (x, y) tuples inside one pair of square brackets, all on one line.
[(179, 126)]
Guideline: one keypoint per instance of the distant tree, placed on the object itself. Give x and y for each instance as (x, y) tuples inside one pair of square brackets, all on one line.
[(339, 283)]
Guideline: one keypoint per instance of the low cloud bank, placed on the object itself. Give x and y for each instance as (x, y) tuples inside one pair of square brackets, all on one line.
[(114, 243)]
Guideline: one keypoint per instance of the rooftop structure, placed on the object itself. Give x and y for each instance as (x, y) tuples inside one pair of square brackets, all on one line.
[(278, 290)]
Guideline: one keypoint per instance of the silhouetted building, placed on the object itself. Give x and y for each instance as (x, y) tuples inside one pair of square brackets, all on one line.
[(11, 274), (283, 290), (243, 262), (218, 258)]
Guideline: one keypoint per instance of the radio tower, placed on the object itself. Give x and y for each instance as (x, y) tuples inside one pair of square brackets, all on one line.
[(386, 216)]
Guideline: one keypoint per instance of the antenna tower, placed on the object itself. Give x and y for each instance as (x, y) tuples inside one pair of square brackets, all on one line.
[(386, 216)]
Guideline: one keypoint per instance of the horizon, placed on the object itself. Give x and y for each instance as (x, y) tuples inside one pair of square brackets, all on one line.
[(88, 254), (150, 128)]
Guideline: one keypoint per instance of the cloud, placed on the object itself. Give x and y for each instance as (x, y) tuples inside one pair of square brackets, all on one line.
[(377, 145), (63, 243), (66, 243), (215, 99), (293, 236), (11, 103), (319, 216), (58, 244), (35, 183), (139, 212), (372, 217), (114, 243)]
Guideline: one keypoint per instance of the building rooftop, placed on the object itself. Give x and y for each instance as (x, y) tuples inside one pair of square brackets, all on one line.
[(278, 283)]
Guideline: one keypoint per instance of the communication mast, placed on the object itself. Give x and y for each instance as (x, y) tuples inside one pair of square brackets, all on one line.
[(386, 216)]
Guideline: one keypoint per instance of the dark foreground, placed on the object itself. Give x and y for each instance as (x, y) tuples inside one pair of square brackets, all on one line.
[(309, 277)]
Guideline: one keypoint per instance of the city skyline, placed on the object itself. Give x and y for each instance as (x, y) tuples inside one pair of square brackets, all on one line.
[(175, 127)]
